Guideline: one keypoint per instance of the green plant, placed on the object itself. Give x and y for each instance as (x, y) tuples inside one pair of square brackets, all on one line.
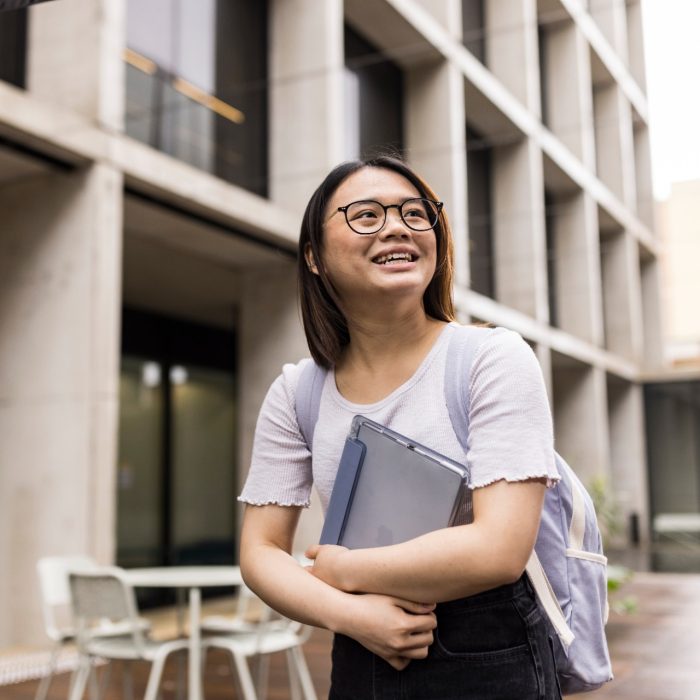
[(607, 509), (610, 522)]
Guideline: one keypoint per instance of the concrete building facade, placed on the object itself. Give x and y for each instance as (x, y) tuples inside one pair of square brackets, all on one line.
[(139, 190)]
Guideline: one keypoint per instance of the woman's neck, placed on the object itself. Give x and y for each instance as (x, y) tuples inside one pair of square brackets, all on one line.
[(383, 354)]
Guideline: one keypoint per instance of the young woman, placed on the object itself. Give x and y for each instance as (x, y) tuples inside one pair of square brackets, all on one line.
[(448, 614)]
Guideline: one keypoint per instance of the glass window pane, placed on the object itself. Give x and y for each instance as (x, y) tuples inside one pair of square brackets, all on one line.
[(195, 60), (204, 459), (13, 46), (206, 61), (380, 95), (139, 478)]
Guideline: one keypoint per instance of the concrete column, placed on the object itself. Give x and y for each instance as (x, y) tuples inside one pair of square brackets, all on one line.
[(511, 48), (519, 229), (270, 334), (610, 17), (75, 57), (628, 453), (642, 163), (622, 296), (580, 420), (436, 145), (635, 43), (567, 72), (306, 97), (650, 271), (447, 12), (578, 294), (614, 142), (544, 357), (60, 279)]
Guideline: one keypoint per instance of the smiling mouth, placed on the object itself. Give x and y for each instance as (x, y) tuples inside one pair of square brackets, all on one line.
[(393, 259)]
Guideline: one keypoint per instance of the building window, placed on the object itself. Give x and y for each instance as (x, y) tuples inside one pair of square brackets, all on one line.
[(176, 476), (13, 47), (550, 211), (474, 28), (196, 84), (479, 167), (374, 100)]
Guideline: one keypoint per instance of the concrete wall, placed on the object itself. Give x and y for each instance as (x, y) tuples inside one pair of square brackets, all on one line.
[(60, 272)]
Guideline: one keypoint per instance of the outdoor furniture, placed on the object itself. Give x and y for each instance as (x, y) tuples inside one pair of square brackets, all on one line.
[(270, 636), (683, 528), (192, 578), (56, 609), (251, 615), (105, 593), (246, 616)]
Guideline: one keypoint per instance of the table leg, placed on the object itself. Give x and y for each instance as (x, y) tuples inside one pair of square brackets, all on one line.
[(181, 603), (194, 684)]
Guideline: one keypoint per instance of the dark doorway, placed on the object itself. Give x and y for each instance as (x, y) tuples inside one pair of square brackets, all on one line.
[(177, 444)]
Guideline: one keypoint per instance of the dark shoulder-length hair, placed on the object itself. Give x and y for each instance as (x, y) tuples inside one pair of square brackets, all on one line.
[(324, 321)]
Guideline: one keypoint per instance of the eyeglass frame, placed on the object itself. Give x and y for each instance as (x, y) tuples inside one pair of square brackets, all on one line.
[(398, 207)]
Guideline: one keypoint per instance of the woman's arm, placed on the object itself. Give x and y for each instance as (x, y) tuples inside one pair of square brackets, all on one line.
[(449, 563), (395, 629)]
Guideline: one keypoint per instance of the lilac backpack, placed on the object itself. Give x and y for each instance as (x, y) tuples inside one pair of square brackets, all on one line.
[(567, 568)]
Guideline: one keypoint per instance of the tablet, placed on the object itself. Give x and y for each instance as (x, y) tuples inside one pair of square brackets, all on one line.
[(390, 489)]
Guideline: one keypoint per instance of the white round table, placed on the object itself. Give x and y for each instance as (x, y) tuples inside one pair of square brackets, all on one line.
[(193, 578)]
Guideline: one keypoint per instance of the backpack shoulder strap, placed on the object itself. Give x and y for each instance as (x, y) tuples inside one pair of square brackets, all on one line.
[(308, 398), (458, 366), (461, 350)]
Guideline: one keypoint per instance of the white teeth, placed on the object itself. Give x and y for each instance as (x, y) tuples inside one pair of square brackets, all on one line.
[(393, 257)]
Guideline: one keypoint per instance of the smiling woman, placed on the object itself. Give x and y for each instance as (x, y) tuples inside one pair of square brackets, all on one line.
[(344, 191), (448, 614)]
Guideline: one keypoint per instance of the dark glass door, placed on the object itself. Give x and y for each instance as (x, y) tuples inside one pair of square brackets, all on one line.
[(177, 443)]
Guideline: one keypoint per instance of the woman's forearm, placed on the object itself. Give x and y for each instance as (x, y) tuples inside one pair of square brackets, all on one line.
[(279, 580), (449, 563)]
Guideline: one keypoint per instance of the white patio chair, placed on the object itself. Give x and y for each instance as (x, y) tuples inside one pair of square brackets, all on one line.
[(103, 593), (56, 609), (269, 637), (250, 615)]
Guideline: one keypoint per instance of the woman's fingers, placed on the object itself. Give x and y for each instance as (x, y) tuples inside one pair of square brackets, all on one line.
[(413, 607)]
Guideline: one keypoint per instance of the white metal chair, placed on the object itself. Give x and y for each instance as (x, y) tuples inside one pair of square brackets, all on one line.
[(103, 593), (268, 637), (56, 609), (249, 613)]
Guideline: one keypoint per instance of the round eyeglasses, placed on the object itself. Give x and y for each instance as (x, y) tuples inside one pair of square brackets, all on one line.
[(367, 216)]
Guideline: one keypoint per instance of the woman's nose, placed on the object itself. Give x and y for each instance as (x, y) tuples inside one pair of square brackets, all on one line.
[(394, 224)]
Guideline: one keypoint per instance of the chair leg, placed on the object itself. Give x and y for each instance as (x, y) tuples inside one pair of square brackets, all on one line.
[(81, 679), (154, 677), (244, 677), (43, 688), (104, 681), (262, 673), (294, 683), (94, 686), (302, 672), (127, 681)]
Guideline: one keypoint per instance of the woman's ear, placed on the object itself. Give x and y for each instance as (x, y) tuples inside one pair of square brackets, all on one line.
[(309, 257)]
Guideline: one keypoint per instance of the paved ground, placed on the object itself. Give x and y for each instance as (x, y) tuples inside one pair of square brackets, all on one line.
[(655, 650)]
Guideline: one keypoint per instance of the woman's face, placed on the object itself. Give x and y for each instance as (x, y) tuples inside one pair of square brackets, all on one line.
[(357, 264)]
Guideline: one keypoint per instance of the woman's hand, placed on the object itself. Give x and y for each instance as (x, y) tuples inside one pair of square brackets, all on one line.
[(397, 630), (331, 564)]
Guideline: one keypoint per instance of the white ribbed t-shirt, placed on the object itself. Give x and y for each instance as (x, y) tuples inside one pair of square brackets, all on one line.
[(510, 425)]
